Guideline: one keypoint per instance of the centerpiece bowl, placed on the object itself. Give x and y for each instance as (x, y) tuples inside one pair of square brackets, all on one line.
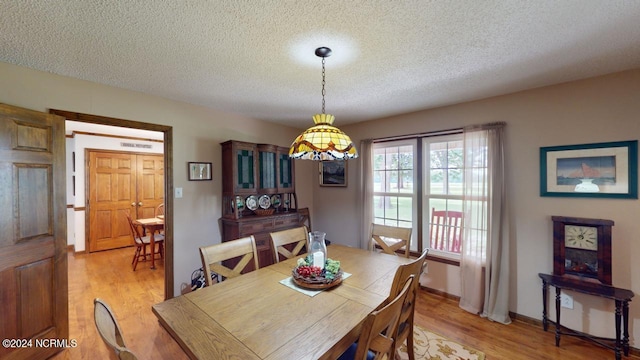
[(313, 277)]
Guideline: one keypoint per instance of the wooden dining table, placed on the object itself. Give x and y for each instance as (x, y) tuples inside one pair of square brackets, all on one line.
[(254, 316), (151, 225)]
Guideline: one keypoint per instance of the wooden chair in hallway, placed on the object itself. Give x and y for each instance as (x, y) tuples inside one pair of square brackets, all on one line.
[(142, 244), (109, 330), (159, 210), (378, 331), (213, 257), (445, 230), (289, 243), (405, 325), (390, 239)]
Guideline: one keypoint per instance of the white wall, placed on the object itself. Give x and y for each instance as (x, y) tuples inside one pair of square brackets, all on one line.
[(595, 110), (197, 134)]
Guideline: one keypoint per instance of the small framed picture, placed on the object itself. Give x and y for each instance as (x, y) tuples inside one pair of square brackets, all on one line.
[(199, 171), (333, 173)]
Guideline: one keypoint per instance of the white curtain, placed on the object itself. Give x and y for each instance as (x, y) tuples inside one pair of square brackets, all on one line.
[(366, 172), (484, 264)]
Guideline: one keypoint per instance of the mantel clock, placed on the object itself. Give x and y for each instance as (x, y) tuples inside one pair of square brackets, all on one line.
[(582, 247)]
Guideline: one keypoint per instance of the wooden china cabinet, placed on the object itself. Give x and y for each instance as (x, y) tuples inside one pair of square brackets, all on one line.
[(258, 193)]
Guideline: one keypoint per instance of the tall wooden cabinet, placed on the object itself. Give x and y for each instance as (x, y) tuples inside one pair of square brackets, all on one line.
[(252, 173)]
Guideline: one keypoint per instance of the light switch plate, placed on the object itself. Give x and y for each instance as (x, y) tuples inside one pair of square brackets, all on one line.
[(178, 193)]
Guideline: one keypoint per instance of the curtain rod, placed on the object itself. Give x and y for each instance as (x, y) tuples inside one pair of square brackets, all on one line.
[(416, 136), (441, 132)]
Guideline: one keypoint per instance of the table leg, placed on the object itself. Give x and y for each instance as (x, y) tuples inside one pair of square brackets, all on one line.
[(545, 299), (152, 244), (557, 316), (625, 324), (618, 320)]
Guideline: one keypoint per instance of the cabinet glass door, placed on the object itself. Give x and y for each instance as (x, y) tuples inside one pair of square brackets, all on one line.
[(246, 177), (285, 171), (267, 168), (286, 180)]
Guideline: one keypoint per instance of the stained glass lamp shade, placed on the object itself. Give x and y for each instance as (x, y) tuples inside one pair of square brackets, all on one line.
[(323, 141)]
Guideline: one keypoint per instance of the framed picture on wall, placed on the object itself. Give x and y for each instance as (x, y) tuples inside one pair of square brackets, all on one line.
[(333, 173), (199, 171), (601, 170)]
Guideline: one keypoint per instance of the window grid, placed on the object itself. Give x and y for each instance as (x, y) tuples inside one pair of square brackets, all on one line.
[(394, 179)]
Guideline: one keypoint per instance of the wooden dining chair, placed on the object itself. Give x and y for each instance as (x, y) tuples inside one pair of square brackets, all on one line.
[(109, 330), (159, 210), (390, 239), (378, 330), (305, 217), (142, 243), (405, 324), (289, 243), (445, 230), (214, 258)]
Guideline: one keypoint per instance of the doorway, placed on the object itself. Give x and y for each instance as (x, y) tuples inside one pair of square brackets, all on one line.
[(167, 132), (120, 183)]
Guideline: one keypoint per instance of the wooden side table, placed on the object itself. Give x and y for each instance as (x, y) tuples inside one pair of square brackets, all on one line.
[(620, 296)]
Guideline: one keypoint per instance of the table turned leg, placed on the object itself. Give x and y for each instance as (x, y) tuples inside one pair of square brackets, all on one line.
[(618, 346), (625, 325), (557, 316), (545, 299), (152, 244)]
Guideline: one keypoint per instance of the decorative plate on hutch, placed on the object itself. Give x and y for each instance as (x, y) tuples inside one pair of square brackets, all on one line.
[(252, 202), (264, 201)]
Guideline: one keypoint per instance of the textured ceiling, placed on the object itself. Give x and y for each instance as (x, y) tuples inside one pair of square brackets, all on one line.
[(256, 58)]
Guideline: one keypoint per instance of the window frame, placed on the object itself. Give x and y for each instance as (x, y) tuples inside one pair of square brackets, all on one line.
[(413, 195), (421, 211), (427, 195)]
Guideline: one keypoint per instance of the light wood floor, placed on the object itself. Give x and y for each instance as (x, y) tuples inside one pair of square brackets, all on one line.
[(131, 294)]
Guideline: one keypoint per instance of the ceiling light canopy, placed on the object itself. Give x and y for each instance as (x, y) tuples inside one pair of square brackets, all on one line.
[(323, 141)]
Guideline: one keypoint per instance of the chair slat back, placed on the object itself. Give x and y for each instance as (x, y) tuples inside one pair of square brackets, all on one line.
[(135, 232), (390, 238), (298, 236), (405, 328), (109, 329), (213, 256), (381, 326), (445, 230)]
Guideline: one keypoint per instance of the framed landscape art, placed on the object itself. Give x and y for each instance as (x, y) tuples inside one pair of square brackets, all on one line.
[(601, 170), (333, 173)]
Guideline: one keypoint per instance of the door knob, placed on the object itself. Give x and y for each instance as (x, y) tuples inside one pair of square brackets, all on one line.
[(140, 203), (133, 204)]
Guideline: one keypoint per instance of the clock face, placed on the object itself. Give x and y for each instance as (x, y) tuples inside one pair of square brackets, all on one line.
[(581, 237)]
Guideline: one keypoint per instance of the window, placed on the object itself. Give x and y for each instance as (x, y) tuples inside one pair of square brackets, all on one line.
[(443, 170), (397, 194), (394, 197)]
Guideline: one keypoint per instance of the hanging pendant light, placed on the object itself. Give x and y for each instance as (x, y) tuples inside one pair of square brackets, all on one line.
[(323, 141)]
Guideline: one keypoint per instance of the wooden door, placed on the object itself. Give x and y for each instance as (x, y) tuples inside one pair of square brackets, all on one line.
[(33, 240), (112, 194), (149, 184), (121, 183)]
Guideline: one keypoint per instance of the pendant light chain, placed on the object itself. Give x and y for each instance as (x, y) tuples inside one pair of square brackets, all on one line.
[(323, 90)]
